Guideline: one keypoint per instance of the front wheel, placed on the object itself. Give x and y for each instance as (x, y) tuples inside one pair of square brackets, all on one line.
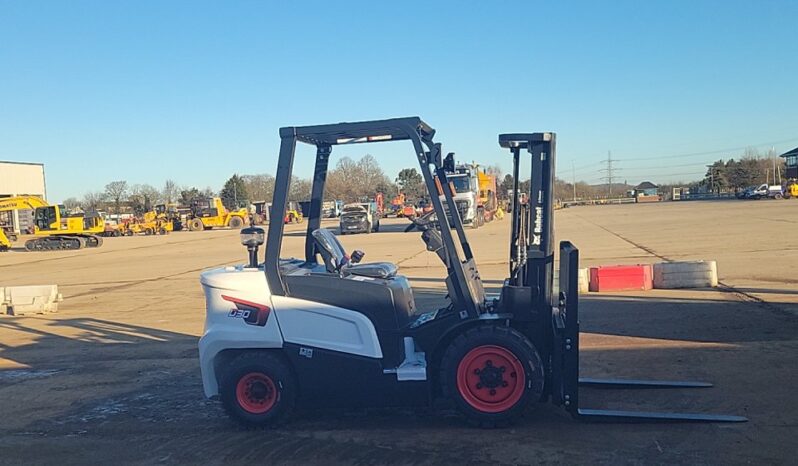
[(258, 389), (491, 373)]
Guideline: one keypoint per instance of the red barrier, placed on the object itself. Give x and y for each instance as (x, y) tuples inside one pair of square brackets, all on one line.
[(621, 278)]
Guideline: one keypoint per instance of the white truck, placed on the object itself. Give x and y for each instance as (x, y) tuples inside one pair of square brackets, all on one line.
[(466, 188), (763, 191)]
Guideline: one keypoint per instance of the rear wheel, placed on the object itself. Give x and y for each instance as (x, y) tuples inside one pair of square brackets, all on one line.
[(196, 225), (491, 373), (258, 389), (236, 222)]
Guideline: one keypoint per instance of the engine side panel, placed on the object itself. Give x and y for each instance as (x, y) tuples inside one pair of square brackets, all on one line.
[(324, 326)]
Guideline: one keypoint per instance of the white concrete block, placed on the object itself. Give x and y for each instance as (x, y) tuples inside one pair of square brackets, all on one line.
[(34, 299), (692, 274), (584, 282)]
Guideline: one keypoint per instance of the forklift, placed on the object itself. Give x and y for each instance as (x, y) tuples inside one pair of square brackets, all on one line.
[(329, 329)]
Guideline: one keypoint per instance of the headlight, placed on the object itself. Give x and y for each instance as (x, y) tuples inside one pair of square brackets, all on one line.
[(252, 236)]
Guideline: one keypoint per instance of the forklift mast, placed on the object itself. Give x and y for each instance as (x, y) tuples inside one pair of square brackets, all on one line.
[(532, 231), (557, 320)]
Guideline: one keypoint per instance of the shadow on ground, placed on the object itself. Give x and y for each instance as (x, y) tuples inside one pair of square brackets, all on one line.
[(131, 394)]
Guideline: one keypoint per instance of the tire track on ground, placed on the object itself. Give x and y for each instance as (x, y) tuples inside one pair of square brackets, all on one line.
[(722, 286), (148, 280), (102, 252), (642, 247)]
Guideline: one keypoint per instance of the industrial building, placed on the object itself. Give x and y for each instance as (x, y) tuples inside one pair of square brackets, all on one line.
[(20, 179), (791, 163)]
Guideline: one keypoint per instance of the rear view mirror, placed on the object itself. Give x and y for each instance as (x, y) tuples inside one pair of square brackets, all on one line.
[(448, 163)]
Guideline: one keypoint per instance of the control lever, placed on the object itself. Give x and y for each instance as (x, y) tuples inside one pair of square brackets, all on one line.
[(356, 256)]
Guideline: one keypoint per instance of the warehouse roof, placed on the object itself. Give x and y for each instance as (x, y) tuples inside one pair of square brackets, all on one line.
[(646, 185), (21, 163)]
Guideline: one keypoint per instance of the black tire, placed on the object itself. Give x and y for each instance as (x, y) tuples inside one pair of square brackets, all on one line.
[(163, 231), (491, 395), (196, 225), (272, 390), (236, 222)]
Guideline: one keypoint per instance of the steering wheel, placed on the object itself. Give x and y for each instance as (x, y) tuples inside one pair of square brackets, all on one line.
[(423, 222)]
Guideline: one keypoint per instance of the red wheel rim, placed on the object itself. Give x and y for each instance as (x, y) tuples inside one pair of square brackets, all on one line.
[(256, 393), (491, 379)]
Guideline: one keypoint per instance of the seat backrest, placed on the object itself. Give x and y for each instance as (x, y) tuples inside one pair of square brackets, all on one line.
[(331, 250)]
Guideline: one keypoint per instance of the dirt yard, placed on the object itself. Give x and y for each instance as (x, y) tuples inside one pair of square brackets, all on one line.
[(113, 377)]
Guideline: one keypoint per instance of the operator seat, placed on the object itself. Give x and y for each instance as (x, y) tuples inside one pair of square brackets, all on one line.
[(337, 260)]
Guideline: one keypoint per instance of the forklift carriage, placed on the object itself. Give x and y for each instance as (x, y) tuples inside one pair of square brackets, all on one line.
[(331, 330)]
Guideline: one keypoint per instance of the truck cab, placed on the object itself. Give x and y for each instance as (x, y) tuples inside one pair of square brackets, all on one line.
[(466, 189)]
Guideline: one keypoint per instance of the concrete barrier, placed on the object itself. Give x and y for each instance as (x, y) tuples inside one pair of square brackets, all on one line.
[(694, 274), (25, 300), (620, 278), (584, 281)]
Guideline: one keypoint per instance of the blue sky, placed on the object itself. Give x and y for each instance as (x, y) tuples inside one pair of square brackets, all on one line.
[(195, 91)]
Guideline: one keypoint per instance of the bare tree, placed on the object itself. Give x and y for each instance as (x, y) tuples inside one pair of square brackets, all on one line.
[(170, 192), (71, 203), (92, 201), (259, 187), (353, 181), (143, 197), (300, 189), (494, 170), (117, 192)]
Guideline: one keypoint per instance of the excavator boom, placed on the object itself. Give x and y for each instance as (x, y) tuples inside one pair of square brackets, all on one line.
[(21, 203)]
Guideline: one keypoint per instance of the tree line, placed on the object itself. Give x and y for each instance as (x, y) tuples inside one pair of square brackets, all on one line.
[(735, 175), (139, 197), (350, 181)]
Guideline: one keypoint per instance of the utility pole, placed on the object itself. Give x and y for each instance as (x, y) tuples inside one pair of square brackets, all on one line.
[(573, 177)]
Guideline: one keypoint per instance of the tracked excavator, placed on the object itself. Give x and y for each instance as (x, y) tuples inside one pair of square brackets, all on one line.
[(54, 227)]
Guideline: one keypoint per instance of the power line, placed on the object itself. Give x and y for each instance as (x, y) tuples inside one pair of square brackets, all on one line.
[(731, 149), (588, 167)]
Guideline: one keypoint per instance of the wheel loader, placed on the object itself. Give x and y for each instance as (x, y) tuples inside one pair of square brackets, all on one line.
[(210, 213), (55, 227)]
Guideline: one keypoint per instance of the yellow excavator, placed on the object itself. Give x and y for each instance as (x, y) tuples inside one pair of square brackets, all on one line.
[(54, 226)]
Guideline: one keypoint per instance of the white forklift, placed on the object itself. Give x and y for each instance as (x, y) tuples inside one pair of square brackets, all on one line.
[(331, 330)]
